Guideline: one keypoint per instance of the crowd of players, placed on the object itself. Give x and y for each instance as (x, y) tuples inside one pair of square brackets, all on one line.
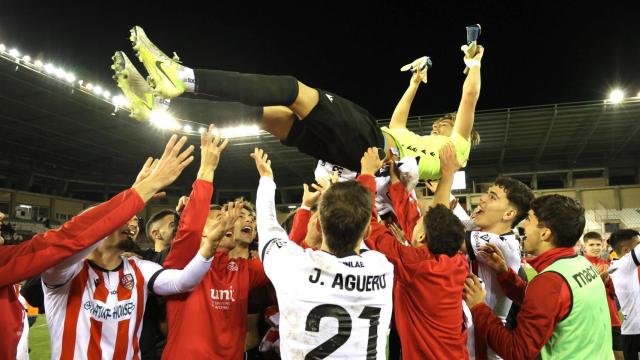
[(431, 283)]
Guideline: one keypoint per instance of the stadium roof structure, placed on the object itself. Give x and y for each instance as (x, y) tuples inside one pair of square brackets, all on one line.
[(62, 140)]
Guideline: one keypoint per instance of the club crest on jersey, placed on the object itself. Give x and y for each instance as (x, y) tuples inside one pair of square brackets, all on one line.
[(232, 266), (127, 281)]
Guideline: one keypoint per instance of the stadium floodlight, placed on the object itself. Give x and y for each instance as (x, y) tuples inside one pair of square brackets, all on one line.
[(201, 130), (70, 77), (240, 131), (38, 63), (14, 52), (26, 58), (120, 101), (97, 90), (616, 96), (164, 120), (50, 68), (89, 86), (60, 73), (292, 206), (2, 47), (187, 128), (106, 94)]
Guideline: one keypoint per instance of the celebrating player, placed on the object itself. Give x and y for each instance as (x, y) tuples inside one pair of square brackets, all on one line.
[(317, 122), (334, 302)]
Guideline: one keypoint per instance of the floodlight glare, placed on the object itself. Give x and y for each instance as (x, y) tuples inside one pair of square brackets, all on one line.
[(616, 96), (164, 120), (70, 77), (49, 68)]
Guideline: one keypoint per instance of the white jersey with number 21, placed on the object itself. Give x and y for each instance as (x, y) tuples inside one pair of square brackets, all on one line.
[(336, 307)]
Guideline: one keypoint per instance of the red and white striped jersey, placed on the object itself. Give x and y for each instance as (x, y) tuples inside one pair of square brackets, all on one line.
[(98, 313)]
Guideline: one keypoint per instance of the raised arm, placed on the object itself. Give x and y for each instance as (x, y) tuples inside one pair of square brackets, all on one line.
[(45, 250), (174, 281), (273, 242), (194, 216), (401, 112), (448, 166), (470, 94)]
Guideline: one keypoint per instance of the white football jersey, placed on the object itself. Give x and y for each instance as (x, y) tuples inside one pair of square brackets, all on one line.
[(98, 313), (625, 273), (330, 307), (496, 299)]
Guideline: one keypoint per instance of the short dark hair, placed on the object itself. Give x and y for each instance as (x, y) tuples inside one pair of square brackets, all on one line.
[(591, 235), (563, 215), (620, 236), (518, 195), (345, 212), (246, 204), (155, 218), (444, 231)]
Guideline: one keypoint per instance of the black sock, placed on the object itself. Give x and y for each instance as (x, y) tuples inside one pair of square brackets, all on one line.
[(221, 113), (251, 89)]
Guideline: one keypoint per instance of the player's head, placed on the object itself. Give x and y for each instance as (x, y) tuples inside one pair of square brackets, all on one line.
[(554, 221), (443, 231), (161, 227), (244, 230), (504, 205), (126, 235), (623, 241), (444, 126), (593, 243), (345, 213)]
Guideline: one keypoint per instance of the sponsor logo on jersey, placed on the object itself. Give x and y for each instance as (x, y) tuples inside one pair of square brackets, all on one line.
[(127, 281), (223, 298), (232, 266), (100, 312)]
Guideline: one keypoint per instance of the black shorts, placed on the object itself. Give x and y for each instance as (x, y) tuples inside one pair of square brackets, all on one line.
[(336, 130), (616, 338), (631, 346)]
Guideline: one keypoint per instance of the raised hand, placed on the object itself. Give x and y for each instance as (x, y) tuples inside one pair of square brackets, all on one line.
[(472, 61), (210, 149), (157, 175), (227, 221), (493, 257), (449, 163), (370, 162), (182, 203), (473, 292), (262, 163), (310, 198)]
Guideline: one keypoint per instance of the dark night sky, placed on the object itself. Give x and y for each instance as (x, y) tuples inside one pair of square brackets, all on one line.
[(536, 53)]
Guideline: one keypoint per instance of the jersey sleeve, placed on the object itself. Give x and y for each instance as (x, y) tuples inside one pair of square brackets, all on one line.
[(61, 273), (277, 253), (192, 220), (32, 257), (508, 245), (299, 227), (627, 263), (164, 282), (406, 208)]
